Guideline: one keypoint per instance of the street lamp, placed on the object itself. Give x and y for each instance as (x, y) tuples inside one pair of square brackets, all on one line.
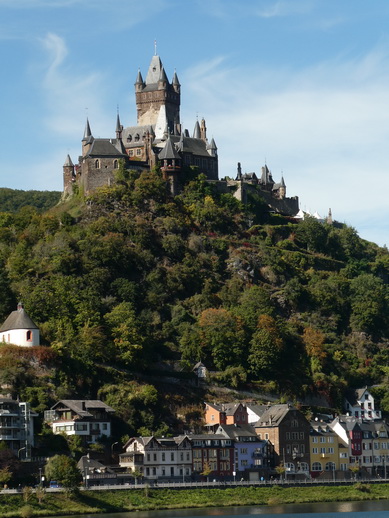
[(112, 445), (19, 450)]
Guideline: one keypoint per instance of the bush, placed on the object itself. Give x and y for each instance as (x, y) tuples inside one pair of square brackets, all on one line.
[(26, 511)]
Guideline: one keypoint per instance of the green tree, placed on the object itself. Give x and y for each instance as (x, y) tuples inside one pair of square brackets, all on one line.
[(266, 348), (64, 470)]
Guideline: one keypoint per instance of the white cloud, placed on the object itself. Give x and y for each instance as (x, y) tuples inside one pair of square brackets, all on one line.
[(323, 127)]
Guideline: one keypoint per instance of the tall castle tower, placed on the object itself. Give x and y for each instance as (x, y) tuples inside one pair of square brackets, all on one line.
[(157, 100)]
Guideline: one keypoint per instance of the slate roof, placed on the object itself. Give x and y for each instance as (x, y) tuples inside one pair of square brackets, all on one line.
[(18, 320), (235, 431), (102, 147), (169, 151), (81, 406), (274, 415)]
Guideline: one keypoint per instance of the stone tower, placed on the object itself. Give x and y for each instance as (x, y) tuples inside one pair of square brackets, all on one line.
[(157, 100)]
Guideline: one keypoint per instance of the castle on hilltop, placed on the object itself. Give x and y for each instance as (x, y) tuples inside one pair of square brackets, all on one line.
[(158, 138)]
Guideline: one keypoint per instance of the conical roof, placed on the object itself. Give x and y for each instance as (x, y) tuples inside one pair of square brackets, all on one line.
[(197, 132), (18, 320), (154, 71), (68, 162), (169, 151), (87, 132)]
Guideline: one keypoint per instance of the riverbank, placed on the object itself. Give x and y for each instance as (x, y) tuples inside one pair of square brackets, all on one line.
[(87, 502)]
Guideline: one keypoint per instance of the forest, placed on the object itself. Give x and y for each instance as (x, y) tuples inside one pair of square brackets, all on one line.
[(131, 287)]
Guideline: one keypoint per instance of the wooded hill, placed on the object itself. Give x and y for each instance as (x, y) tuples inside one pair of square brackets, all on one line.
[(131, 284)]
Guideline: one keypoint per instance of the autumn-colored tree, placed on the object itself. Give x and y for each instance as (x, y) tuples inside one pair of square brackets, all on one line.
[(313, 340)]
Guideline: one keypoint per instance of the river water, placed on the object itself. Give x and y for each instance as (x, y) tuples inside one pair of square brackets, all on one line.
[(373, 509)]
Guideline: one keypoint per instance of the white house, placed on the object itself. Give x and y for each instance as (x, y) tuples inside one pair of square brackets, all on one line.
[(359, 403), (19, 329), (90, 419)]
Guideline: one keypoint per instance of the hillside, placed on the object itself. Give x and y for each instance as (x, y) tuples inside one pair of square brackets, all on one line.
[(132, 287)]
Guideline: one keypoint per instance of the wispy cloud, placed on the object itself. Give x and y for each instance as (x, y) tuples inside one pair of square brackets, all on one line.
[(284, 8), (323, 127)]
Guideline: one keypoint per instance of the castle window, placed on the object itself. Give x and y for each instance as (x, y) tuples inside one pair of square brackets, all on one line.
[(138, 152), (29, 336), (137, 137), (115, 164), (97, 164), (129, 138), (131, 152)]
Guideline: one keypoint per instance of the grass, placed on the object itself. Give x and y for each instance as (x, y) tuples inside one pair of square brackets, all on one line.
[(11, 506)]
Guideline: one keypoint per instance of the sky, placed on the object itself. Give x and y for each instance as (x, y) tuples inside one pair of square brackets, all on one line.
[(299, 85)]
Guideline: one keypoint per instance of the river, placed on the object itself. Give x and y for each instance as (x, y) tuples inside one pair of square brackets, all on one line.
[(369, 509)]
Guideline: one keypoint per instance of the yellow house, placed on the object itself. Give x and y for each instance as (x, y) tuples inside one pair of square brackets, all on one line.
[(324, 449)]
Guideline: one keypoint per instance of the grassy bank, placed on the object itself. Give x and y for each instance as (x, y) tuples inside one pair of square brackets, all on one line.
[(153, 499)]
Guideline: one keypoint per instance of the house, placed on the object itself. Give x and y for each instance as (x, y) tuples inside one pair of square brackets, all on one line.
[(251, 454), (94, 473), (288, 430), (17, 426), (359, 403), (254, 412), (367, 443), (201, 371), (350, 432), (324, 450), (158, 458), (89, 419), (213, 455), (19, 329), (225, 413)]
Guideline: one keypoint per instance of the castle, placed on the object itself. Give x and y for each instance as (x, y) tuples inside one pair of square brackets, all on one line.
[(159, 139)]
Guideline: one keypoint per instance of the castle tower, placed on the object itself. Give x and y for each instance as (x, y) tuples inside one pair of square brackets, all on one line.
[(282, 189), (156, 95), (87, 139), (68, 175)]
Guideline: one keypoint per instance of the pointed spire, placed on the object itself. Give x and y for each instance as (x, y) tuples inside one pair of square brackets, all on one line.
[(175, 81), (282, 184), (163, 76), (196, 132), (154, 71), (87, 132), (212, 148), (119, 127), (169, 152), (68, 162), (139, 78)]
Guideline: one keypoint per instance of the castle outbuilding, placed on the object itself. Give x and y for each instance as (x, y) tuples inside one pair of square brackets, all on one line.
[(158, 137), (19, 329)]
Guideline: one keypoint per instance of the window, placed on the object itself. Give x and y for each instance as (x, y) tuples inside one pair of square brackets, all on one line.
[(316, 466), (243, 462), (148, 457), (315, 439), (266, 436), (330, 450), (163, 472), (115, 164), (136, 138), (129, 138), (155, 457), (330, 466), (304, 466), (163, 457), (138, 152), (287, 435), (131, 152), (172, 456), (243, 451), (314, 450), (97, 164), (322, 450), (182, 456), (322, 439), (301, 435), (294, 423), (290, 467)]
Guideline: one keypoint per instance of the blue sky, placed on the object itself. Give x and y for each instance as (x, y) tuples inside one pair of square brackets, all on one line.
[(302, 85)]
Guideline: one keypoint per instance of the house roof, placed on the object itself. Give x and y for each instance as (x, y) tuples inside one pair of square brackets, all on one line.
[(355, 395), (82, 406), (235, 431), (274, 415), (104, 147), (92, 465), (18, 320)]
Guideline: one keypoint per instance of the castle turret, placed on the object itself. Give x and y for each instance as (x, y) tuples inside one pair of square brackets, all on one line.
[(68, 175), (203, 130), (87, 139), (282, 189), (196, 131)]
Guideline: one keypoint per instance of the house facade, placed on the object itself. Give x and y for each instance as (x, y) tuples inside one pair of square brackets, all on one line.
[(89, 419), (288, 430), (225, 413), (158, 458), (213, 454), (17, 426), (359, 403)]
